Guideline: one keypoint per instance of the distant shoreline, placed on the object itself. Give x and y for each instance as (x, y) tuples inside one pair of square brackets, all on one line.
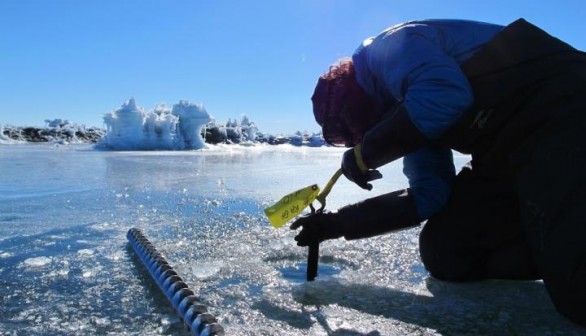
[(73, 133), (80, 134)]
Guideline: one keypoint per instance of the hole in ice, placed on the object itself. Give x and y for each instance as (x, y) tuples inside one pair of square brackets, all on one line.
[(299, 273), (325, 259)]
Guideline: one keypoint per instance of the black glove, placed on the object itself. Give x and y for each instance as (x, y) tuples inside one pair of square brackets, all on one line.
[(316, 228), (356, 171)]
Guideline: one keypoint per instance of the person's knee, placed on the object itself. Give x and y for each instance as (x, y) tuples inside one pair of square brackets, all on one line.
[(569, 297), (439, 260), (440, 267), (429, 254)]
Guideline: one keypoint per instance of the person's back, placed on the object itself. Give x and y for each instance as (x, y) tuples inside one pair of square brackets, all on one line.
[(392, 66)]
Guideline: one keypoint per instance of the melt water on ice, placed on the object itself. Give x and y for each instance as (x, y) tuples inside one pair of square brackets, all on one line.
[(66, 267)]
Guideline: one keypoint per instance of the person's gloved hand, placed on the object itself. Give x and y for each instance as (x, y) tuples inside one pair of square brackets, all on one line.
[(355, 169), (316, 228)]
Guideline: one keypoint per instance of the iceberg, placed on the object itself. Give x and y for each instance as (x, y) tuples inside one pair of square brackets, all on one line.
[(132, 128)]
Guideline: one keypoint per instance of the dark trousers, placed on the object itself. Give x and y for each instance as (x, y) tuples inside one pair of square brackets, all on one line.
[(527, 224)]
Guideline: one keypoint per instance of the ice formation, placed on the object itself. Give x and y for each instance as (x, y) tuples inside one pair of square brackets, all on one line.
[(132, 128), (233, 132), (2, 137)]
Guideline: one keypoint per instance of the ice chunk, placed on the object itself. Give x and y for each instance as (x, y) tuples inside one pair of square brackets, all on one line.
[(85, 252), (37, 262), (206, 270)]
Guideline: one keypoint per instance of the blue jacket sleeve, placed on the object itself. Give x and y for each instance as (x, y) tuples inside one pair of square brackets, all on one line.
[(430, 171), (410, 64)]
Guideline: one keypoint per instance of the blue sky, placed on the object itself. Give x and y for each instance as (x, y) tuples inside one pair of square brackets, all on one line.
[(80, 59)]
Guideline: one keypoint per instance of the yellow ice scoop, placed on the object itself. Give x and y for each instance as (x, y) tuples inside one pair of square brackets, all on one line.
[(294, 203)]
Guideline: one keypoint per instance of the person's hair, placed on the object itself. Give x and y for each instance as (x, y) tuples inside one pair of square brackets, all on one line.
[(340, 106), (343, 67)]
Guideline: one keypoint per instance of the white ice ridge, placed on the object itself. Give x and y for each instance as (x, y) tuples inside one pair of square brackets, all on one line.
[(132, 128), (2, 137)]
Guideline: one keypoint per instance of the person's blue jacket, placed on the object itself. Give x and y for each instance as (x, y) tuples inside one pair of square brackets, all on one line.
[(418, 64)]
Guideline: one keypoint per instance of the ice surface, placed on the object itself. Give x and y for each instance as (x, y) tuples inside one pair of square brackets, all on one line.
[(66, 268)]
